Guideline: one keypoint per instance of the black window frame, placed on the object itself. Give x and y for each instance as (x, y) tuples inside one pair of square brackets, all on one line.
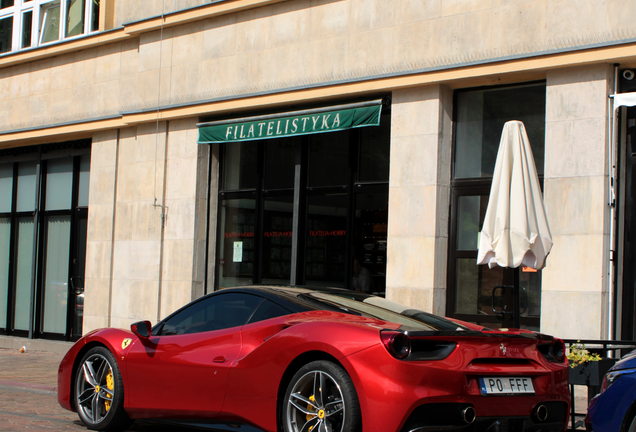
[(259, 193), (40, 154), (477, 186)]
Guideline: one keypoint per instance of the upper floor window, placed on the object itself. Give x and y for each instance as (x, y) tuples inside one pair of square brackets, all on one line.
[(32, 23)]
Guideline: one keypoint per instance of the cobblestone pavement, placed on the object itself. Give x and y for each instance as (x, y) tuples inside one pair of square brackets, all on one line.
[(28, 398)]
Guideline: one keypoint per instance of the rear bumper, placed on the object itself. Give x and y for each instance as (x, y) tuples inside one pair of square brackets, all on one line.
[(449, 417)]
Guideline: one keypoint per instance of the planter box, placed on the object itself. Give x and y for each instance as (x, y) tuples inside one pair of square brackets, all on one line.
[(591, 373)]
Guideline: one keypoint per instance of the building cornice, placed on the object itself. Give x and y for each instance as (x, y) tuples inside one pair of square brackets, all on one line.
[(132, 30), (516, 70)]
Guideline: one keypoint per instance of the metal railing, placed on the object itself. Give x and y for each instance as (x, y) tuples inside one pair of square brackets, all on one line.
[(605, 348)]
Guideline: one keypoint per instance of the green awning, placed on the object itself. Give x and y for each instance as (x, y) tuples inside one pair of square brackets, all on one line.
[(321, 120)]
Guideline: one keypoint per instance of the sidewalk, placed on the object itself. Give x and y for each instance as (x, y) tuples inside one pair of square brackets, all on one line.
[(28, 396), (36, 370)]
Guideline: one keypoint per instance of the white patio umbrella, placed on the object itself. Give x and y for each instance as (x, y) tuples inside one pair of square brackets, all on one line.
[(515, 230)]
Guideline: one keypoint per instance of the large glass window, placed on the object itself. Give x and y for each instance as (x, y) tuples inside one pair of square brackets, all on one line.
[(325, 253), (59, 184), (329, 159), (334, 185), (58, 242), (241, 163), (479, 119), (24, 274), (6, 187), (6, 34), (27, 29), (237, 247), (278, 214), (5, 248), (37, 22), (26, 186), (43, 215), (50, 30), (371, 216)]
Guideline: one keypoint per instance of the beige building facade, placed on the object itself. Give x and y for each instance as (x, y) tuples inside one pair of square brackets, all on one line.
[(112, 116)]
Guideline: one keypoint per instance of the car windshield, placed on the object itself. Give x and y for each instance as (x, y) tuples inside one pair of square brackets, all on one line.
[(386, 310)]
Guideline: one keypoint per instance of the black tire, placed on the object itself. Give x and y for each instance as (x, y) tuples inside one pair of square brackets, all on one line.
[(99, 392), (632, 425), (321, 394)]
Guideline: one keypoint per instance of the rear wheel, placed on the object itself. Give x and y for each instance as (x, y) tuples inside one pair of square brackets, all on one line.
[(321, 398), (632, 426), (99, 392)]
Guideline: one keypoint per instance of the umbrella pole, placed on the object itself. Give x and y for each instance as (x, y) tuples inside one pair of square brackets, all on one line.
[(517, 300)]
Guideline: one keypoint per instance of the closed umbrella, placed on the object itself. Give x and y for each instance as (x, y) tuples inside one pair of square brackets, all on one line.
[(515, 230)]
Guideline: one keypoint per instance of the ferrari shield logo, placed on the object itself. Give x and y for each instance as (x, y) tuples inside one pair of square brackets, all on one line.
[(125, 343)]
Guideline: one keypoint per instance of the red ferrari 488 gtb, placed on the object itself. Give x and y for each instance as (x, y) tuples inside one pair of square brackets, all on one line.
[(322, 360)]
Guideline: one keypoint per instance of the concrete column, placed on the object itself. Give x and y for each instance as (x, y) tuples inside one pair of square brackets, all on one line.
[(574, 282), (137, 245), (99, 241), (419, 193), (181, 268)]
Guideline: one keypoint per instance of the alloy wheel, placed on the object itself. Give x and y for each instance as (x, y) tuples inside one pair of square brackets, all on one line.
[(315, 404)]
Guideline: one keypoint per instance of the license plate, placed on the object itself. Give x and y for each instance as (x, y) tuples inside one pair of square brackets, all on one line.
[(506, 385)]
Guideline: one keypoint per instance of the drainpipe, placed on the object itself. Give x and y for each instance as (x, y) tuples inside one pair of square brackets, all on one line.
[(34, 259), (612, 204)]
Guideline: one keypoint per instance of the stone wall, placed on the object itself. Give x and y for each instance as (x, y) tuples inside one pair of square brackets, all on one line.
[(141, 233), (419, 193), (291, 44), (575, 280)]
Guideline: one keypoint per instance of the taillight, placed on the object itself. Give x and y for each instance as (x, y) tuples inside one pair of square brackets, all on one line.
[(396, 343), (558, 350), (554, 351)]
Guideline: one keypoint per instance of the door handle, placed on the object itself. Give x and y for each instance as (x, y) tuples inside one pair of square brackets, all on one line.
[(220, 359)]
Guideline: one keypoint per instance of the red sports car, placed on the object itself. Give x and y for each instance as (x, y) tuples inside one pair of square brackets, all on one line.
[(326, 360)]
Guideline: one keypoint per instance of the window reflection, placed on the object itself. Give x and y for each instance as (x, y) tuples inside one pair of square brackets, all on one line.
[(325, 241), (370, 238), (277, 239), (74, 17), (470, 216), (50, 30), (27, 27), (6, 187), (481, 115), (240, 167), (329, 159), (238, 220), (6, 34)]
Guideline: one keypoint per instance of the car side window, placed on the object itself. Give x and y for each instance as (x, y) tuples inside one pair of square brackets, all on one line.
[(217, 312), (267, 310)]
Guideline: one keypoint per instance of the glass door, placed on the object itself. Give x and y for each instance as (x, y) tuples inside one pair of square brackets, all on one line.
[(78, 265)]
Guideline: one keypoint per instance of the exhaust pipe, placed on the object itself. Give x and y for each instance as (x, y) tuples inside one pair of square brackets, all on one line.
[(541, 413), (468, 415)]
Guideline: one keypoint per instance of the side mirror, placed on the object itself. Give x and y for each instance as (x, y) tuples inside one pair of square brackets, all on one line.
[(141, 329)]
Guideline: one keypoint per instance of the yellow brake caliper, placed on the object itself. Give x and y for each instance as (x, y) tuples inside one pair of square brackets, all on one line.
[(320, 413), (310, 408), (110, 385)]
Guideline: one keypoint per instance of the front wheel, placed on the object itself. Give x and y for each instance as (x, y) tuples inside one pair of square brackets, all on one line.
[(99, 392), (321, 398), (632, 426)]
